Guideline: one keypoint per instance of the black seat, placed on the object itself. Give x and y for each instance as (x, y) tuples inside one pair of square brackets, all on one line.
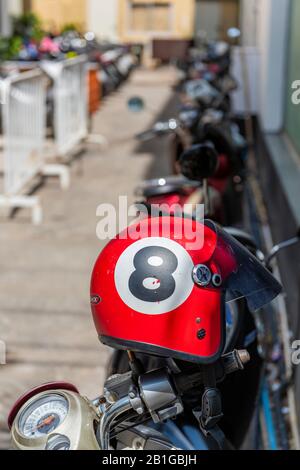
[(164, 186), (162, 190)]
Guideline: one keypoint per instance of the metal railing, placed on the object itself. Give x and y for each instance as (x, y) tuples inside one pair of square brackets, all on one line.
[(70, 96), (26, 150), (23, 117), (23, 114)]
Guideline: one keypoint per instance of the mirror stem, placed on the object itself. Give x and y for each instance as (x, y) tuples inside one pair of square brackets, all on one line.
[(277, 248)]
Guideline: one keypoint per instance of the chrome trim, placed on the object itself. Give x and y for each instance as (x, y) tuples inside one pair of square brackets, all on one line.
[(107, 419)]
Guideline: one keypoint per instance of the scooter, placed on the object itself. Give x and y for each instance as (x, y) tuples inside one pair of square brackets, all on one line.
[(198, 164), (177, 406), (212, 58), (186, 411), (197, 126), (224, 182)]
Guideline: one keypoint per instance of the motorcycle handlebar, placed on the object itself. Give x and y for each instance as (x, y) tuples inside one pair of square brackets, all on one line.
[(108, 417), (228, 364), (146, 135), (159, 129), (140, 402)]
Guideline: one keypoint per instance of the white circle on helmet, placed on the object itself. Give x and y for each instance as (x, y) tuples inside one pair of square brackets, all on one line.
[(153, 276)]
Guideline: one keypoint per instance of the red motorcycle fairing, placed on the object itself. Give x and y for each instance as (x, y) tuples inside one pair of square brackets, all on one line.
[(220, 180), (187, 323), (218, 185), (171, 200)]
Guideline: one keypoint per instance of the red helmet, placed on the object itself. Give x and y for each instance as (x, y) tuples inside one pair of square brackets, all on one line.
[(156, 290)]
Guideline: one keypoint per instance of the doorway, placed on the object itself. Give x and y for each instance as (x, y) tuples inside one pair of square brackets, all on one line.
[(215, 17)]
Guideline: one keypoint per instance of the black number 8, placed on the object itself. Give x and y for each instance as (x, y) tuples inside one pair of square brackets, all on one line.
[(163, 274)]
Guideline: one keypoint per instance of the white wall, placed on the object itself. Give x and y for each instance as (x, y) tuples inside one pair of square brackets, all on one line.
[(246, 59), (5, 25), (248, 21), (265, 24), (273, 27), (103, 18), (15, 7), (7, 9)]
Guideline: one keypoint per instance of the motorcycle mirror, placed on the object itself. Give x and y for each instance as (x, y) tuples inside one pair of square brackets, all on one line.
[(281, 246), (136, 104), (199, 162), (233, 33)]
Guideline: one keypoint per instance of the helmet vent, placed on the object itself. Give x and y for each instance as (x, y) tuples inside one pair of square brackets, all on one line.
[(201, 334)]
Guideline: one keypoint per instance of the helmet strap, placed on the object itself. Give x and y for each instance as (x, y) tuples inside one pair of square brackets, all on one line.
[(136, 366), (210, 413)]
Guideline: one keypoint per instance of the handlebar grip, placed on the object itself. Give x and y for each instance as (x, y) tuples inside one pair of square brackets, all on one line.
[(228, 364)]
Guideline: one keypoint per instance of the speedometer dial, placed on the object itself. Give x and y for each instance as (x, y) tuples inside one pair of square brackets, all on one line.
[(43, 416)]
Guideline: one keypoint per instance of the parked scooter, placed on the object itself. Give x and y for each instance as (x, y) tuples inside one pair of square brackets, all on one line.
[(199, 163), (116, 63), (163, 294), (179, 322), (209, 58), (205, 119), (168, 303), (225, 180)]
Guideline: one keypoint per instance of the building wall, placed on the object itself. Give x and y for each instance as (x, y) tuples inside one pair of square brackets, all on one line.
[(213, 18), (273, 25), (102, 18), (292, 117), (15, 7), (113, 19), (265, 24), (4, 18), (9, 8), (249, 22), (277, 157), (181, 20), (57, 13)]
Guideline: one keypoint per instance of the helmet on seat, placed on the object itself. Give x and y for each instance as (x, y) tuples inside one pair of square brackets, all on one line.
[(159, 288)]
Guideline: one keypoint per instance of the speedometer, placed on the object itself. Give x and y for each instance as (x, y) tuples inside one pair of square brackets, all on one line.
[(43, 416)]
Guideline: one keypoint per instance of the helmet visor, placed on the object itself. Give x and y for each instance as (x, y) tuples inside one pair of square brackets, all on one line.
[(243, 275)]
